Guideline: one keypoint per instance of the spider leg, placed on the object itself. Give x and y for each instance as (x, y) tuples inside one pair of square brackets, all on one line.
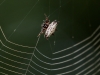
[(47, 38), (56, 29), (39, 34), (52, 33), (42, 31), (45, 15)]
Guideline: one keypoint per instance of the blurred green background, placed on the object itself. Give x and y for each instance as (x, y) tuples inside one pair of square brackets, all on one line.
[(78, 20)]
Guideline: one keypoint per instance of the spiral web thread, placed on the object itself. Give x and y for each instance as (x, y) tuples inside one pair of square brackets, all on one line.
[(91, 45)]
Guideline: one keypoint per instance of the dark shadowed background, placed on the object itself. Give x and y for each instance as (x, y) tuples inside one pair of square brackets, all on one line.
[(20, 22)]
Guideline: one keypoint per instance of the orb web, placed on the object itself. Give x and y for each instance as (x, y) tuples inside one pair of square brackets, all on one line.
[(80, 58)]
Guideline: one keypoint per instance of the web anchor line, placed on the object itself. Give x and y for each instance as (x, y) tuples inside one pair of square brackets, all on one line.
[(52, 51), (32, 55), (20, 23), (12, 42), (2, 2)]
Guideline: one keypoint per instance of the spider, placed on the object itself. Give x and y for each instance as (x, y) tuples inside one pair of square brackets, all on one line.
[(51, 29), (44, 25), (48, 28)]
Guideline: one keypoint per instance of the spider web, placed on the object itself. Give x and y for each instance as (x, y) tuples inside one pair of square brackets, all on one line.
[(26, 60)]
